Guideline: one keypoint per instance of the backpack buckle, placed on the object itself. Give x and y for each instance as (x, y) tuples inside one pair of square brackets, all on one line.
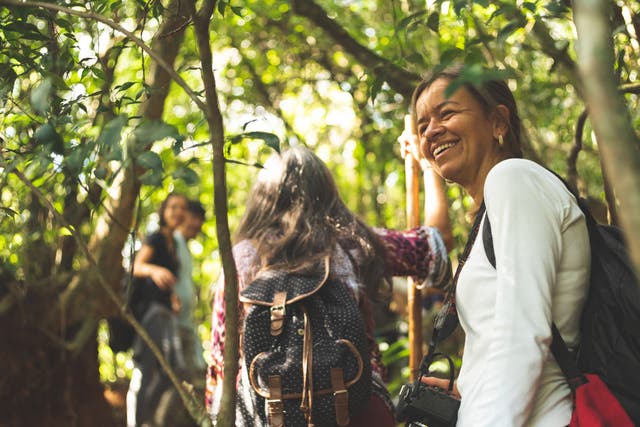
[(278, 312), (275, 405), (277, 308)]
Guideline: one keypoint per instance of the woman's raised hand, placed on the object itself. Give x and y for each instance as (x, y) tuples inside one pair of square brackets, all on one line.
[(409, 144)]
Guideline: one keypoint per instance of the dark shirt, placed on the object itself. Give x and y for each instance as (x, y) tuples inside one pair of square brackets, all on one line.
[(147, 291)]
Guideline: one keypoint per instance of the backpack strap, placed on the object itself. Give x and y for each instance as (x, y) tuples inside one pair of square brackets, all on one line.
[(487, 241), (274, 403), (278, 311), (340, 396), (566, 361)]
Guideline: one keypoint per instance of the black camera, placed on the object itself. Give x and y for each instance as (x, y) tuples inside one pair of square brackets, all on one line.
[(427, 405), (423, 405)]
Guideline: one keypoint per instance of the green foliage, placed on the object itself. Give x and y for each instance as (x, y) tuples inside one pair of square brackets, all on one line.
[(270, 140), (476, 75), (72, 91)]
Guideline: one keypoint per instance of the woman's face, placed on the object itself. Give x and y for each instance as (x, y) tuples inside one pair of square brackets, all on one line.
[(175, 211), (455, 134)]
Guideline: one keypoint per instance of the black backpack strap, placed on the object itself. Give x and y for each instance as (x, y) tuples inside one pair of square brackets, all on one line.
[(487, 241), (558, 347), (566, 361)]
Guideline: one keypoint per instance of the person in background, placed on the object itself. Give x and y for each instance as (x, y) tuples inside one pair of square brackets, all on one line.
[(155, 271), (189, 229), (295, 217), (170, 411), (508, 377)]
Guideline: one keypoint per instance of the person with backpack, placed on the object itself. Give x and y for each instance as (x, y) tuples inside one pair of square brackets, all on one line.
[(509, 376), (308, 270)]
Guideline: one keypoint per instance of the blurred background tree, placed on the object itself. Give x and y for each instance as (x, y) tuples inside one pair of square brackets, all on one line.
[(94, 127)]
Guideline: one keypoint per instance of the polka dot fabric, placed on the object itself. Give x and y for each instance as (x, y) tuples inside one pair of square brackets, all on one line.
[(333, 315)]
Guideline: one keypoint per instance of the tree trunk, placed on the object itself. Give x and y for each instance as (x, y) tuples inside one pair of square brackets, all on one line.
[(618, 143), (44, 384), (48, 364), (202, 18)]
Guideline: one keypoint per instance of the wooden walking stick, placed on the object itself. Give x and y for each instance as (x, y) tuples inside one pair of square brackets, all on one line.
[(414, 300)]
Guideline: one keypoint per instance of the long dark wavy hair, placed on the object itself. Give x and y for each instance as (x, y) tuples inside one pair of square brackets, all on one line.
[(295, 218)]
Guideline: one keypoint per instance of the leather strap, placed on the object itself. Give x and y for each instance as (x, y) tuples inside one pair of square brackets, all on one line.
[(340, 397), (274, 403), (306, 404), (278, 312)]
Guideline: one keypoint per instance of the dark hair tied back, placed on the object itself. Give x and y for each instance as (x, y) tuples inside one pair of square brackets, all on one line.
[(489, 93)]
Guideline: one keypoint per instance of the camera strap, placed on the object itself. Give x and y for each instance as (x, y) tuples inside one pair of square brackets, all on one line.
[(446, 320)]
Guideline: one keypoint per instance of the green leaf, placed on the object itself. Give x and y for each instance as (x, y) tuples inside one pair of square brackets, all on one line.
[(20, 27), (114, 153), (497, 13), (187, 175), (415, 58), (124, 86), (375, 88), (237, 11), (37, 169), (98, 72), (111, 133), (64, 23), (508, 29), (556, 7), (222, 6), (8, 211), (48, 136), (152, 177), (100, 172), (178, 146), (270, 139), (476, 74), (149, 132), (7, 79), (41, 96), (405, 22), (433, 22), (34, 35), (244, 126), (75, 160), (450, 54), (458, 5), (150, 160)]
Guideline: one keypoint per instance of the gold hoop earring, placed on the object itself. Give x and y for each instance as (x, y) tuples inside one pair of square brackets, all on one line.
[(500, 140)]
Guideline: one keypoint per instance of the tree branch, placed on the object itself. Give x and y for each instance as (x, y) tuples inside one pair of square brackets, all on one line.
[(201, 19), (139, 42), (572, 160), (547, 44), (398, 78)]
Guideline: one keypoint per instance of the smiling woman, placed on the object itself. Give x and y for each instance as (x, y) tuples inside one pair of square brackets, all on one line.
[(472, 137), (465, 134)]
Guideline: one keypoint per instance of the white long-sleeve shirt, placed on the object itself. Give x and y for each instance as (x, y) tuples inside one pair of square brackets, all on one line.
[(509, 377)]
